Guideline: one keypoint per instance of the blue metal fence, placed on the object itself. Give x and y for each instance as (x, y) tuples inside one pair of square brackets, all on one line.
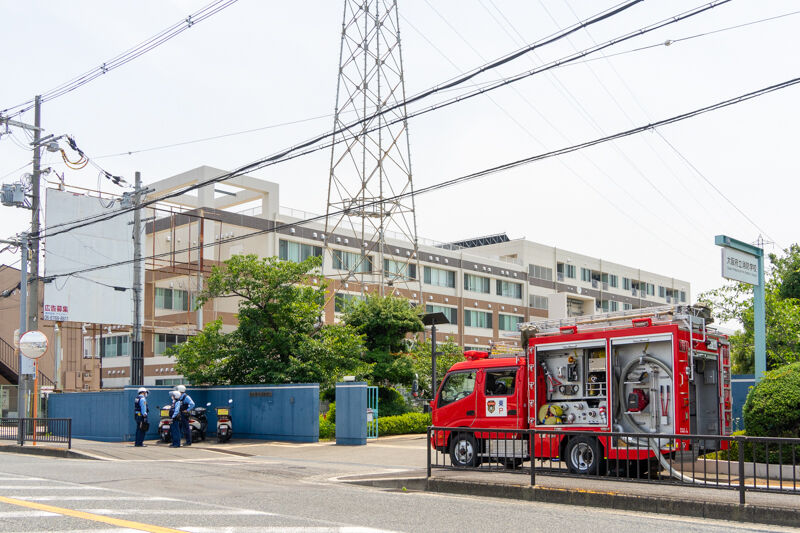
[(372, 412)]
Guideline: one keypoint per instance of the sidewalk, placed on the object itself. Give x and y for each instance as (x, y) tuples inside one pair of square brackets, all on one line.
[(398, 462)]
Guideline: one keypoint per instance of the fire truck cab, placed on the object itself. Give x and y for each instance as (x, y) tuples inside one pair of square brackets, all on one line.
[(650, 371)]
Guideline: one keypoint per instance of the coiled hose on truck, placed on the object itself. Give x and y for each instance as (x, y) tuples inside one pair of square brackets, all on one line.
[(653, 444)]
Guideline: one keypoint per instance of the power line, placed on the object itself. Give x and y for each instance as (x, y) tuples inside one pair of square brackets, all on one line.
[(479, 174), (125, 57), (292, 152)]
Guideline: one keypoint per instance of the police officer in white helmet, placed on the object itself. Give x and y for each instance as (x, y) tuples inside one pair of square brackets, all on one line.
[(140, 412), (187, 404)]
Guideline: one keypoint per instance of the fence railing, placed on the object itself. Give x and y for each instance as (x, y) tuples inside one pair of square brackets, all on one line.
[(37, 430), (745, 464)]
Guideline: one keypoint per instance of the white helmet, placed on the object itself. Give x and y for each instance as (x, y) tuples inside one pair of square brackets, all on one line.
[(142, 390), (181, 389), (175, 394)]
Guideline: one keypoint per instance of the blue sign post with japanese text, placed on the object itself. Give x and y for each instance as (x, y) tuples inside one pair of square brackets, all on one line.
[(745, 262)]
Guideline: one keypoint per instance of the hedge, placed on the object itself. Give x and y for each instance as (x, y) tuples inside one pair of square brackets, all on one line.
[(387, 425), (772, 408)]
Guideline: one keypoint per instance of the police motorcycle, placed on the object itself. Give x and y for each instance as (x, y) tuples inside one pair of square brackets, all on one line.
[(224, 422), (165, 423), (198, 423)]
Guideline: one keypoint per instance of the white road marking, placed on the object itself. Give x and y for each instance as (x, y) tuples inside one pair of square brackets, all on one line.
[(26, 514), (186, 512), (48, 487), (95, 498), (282, 529)]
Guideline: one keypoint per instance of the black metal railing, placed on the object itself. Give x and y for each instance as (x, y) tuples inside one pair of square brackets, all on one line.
[(37, 430), (745, 464)]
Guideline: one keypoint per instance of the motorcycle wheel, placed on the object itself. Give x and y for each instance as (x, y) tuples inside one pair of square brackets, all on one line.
[(165, 437)]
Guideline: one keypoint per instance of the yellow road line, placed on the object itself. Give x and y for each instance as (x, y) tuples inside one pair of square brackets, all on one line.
[(89, 516)]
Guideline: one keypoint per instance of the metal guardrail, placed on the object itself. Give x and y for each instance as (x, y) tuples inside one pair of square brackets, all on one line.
[(37, 430), (742, 463)]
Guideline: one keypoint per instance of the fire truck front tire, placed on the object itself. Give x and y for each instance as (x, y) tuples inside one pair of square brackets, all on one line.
[(584, 455), (464, 450)]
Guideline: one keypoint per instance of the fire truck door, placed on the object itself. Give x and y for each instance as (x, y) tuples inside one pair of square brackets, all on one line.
[(498, 400), (456, 405)]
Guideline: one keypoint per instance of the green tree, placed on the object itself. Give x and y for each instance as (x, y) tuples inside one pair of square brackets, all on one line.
[(384, 320), (734, 302), (280, 338), (451, 353)]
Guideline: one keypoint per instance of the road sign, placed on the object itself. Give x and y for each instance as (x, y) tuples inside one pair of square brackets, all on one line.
[(739, 266), (33, 344), (745, 262)]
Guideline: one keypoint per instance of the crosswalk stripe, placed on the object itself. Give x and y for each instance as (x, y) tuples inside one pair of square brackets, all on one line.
[(183, 512), (49, 487), (285, 529), (25, 514), (96, 498), (138, 526)]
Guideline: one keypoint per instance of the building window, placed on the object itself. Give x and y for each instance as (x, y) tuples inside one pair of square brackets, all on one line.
[(626, 284), (565, 270), (477, 319), (586, 275), (173, 299), (508, 322), (662, 292), (399, 269), (540, 272), (476, 283), (342, 301), (171, 381), (164, 341), (116, 346), (439, 277), (614, 306), (683, 296), (627, 307), (509, 289), (613, 280), (538, 302), (352, 262), (297, 252), (450, 312), (651, 289)]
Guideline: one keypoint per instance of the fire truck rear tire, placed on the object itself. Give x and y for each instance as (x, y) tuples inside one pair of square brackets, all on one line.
[(584, 455), (464, 450)]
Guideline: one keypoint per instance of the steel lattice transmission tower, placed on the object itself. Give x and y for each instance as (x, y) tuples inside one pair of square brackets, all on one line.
[(371, 162)]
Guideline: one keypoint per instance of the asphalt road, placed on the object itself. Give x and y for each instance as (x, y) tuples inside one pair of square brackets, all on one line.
[(259, 493)]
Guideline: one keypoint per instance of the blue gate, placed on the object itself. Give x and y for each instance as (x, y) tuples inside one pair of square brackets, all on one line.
[(372, 412)]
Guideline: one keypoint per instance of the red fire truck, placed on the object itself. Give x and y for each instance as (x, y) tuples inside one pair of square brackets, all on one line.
[(652, 371)]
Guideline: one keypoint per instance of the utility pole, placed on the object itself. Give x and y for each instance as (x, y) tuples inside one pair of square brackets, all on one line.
[(137, 361), (33, 304), (23, 321)]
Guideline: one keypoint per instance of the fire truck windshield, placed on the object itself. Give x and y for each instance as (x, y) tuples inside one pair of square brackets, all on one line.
[(458, 385)]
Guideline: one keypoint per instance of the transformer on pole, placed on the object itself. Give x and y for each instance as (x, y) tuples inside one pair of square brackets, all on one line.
[(371, 160)]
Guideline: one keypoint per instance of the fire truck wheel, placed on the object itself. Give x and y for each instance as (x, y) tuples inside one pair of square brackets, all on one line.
[(464, 450), (583, 455)]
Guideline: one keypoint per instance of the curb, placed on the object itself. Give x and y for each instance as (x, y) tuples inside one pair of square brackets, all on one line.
[(47, 452), (781, 516)]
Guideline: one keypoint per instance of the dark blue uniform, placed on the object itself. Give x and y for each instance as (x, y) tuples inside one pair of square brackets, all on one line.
[(140, 412), (187, 404), (175, 426)]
